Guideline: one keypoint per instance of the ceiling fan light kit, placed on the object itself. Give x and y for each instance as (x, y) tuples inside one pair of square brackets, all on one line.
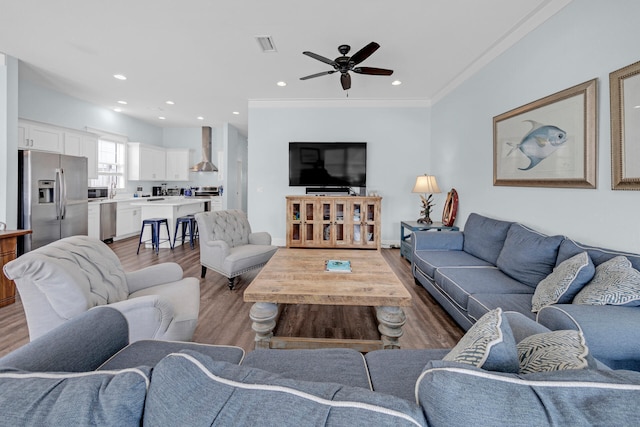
[(343, 64)]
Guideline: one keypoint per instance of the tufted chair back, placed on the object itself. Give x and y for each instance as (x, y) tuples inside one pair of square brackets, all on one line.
[(228, 246), (231, 226)]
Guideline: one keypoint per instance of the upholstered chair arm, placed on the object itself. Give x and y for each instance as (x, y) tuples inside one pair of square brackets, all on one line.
[(158, 274), (148, 316), (213, 252), (260, 238)]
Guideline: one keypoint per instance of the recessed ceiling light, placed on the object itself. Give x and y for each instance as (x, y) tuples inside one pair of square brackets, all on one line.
[(236, 112), (200, 118), (120, 77), (162, 118), (396, 83), (122, 102), (281, 84), (170, 103), (637, 106), (117, 110)]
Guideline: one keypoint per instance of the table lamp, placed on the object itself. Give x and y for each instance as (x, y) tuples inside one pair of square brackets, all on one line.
[(426, 184)]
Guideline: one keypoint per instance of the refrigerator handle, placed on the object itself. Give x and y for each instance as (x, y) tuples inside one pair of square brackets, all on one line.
[(63, 195), (58, 193)]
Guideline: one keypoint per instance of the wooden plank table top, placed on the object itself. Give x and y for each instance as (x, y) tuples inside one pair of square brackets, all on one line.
[(298, 276)]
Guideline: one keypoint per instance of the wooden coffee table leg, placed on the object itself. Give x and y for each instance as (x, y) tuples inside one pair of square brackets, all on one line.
[(390, 324), (264, 316)]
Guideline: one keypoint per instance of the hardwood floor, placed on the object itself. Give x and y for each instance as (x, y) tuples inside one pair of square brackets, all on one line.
[(224, 316)]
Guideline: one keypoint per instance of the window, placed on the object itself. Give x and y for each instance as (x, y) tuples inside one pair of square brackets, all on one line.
[(111, 161)]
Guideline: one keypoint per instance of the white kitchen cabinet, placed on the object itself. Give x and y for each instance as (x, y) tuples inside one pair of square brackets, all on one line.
[(146, 162), (35, 136), (177, 164), (94, 220), (83, 145), (216, 203), (128, 220)]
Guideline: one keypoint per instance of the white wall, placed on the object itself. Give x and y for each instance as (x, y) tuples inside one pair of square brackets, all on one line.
[(398, 145), (8, 139), (587, 39)]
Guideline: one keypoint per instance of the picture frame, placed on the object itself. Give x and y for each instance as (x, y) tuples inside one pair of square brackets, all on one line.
[(624, 85), (551, 142)]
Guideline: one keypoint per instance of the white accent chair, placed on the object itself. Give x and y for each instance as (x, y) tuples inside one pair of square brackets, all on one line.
[(65, 278), (228, 246)]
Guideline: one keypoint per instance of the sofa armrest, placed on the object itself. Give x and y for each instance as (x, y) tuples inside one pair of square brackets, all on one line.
[(148, 316), (438, 240), (78, 345), (260, 238), (166, 272), (522, 326), (612, 332)]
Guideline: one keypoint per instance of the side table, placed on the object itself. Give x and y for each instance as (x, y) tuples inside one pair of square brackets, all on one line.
[(8, 245), (406, 247)]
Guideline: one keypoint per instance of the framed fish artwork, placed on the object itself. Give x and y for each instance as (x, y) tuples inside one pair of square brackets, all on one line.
[(624, 87), (551, 142)]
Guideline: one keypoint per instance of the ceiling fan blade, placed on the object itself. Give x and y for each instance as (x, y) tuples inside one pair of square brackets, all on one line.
[(364, 53), (324, 73), (345, 80), (373, 71), (320, 58)]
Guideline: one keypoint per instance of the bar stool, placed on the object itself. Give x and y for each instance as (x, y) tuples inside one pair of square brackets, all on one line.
[(155, 224), (187, 222)]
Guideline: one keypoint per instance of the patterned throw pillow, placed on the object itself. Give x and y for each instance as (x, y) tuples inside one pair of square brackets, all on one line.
[(615, 283), (566, 280), (489, 344), (553, 351)]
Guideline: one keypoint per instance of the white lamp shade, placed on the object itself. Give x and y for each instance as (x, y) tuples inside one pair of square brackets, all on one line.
[(426, 184)]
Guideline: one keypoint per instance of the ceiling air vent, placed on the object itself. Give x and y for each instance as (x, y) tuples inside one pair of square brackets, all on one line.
[(266, 43)]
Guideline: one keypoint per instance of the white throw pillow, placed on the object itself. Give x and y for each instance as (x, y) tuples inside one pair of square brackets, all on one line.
[(553, 351), (616, 282), (566, 280)]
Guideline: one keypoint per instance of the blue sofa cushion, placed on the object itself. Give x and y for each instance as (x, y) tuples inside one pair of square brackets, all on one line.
[(429, 261), (150, 352), (553, 351), (484, 237), (338, 365), (191, 389), (583, 397), (460, 283), (488, 344), (109, 398), (479, 304), (615, 283), (395, 372), (566, 280), (569, 248), (528, 256)]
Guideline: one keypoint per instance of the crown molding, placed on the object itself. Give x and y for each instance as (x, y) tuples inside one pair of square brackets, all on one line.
[(339, 103)]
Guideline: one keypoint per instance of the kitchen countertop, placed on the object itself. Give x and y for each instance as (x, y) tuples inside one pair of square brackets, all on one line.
[(141, 201), (166, 201)]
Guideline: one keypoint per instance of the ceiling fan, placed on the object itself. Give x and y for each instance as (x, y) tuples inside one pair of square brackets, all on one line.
[(343, 64)]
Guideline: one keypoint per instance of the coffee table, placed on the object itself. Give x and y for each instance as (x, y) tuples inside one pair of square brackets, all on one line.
[(298, 276)]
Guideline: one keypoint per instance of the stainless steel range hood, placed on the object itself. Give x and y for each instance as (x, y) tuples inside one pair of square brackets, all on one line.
[(205, 165)]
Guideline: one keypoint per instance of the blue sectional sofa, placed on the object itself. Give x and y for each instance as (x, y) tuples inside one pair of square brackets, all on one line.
[(494, 263), (85, 373)]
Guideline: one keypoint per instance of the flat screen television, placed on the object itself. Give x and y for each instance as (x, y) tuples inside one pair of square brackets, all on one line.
[(328, 164)]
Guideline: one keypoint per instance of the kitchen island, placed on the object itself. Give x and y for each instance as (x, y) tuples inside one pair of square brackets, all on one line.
[(170, 208)]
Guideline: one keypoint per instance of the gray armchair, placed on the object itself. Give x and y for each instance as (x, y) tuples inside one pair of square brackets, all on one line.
[(228, 246), (63, 279)]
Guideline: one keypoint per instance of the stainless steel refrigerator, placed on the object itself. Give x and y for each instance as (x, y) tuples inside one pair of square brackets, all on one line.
[(52, 197)]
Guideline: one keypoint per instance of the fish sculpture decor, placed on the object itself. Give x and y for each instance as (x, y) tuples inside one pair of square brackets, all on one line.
[(541, 141)]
